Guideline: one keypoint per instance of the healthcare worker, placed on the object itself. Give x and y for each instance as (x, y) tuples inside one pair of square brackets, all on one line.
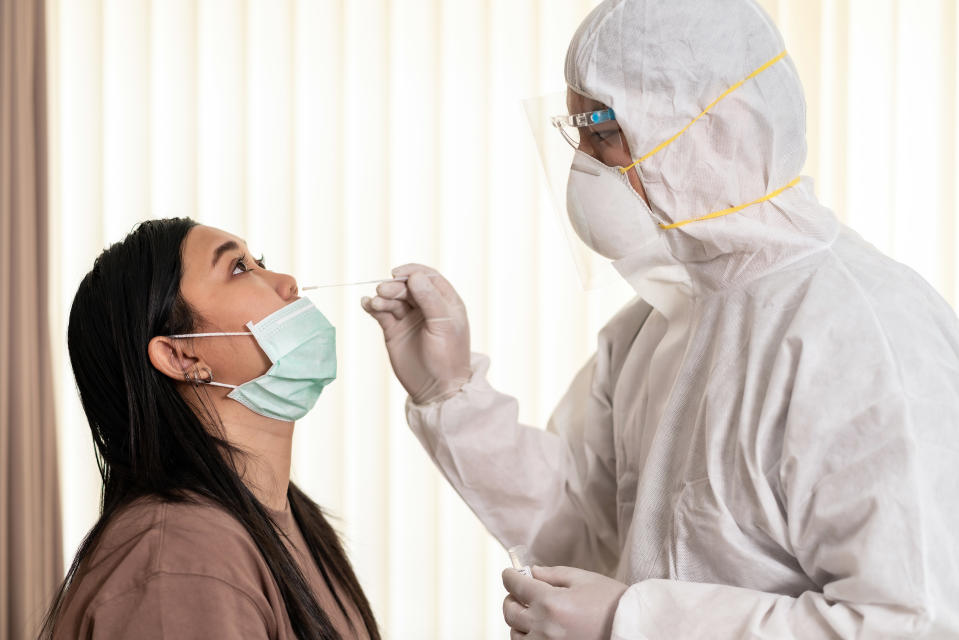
[(766, 441)]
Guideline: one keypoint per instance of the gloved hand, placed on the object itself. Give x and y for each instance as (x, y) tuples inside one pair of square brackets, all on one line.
[(562, 602), (426, 330)]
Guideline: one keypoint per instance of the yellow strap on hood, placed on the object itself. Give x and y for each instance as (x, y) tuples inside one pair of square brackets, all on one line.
[(726, 212), (669, 141)]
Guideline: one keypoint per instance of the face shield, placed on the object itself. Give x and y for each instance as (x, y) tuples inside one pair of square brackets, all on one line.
[(558, 134)]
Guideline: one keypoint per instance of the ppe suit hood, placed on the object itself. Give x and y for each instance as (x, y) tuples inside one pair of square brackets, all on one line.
[(659, 64)]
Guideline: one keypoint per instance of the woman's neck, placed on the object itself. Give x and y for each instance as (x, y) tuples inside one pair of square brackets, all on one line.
[(267, 447)]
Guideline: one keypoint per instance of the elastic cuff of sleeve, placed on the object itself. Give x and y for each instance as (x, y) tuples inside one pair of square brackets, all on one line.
[(479, 365)]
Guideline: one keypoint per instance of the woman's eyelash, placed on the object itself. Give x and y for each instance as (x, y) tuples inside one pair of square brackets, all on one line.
[(243, 267)]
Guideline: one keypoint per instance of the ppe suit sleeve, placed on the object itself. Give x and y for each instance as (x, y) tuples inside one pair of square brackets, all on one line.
[(552, 490)]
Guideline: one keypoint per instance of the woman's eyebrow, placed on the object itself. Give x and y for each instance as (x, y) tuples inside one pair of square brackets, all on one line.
[(229, 245)]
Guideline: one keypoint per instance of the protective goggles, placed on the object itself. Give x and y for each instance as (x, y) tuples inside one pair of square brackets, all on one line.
[(590, 123)]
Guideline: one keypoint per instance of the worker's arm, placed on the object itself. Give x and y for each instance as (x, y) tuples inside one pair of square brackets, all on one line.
[(552, 490)]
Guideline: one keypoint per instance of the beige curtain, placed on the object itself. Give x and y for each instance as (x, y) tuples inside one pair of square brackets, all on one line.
[(31, 561)]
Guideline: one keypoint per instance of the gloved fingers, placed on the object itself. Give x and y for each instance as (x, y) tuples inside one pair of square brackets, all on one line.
[(446, 289), (401, 310), (386, 319), (411, 268), (392, 290), (398, 308), (427, 297), (557, 576), (524, 589), (439, 282), (516, 615)]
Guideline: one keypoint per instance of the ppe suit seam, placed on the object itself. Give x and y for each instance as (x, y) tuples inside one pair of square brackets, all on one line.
[(578, 499), (741, 284), (588, 44), (888, 348), (921, 619)]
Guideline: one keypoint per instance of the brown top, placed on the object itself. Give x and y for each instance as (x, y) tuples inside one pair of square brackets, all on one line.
[(168, 570)]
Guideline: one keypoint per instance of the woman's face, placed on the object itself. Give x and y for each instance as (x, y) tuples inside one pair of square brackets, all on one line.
[(227, 287)]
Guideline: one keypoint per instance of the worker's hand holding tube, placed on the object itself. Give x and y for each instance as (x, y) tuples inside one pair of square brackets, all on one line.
[(426, 331)]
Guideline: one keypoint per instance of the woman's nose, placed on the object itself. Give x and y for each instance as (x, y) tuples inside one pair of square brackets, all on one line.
[(286, 286)]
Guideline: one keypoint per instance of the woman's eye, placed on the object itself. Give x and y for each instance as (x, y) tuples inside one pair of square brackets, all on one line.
[(242, 266)]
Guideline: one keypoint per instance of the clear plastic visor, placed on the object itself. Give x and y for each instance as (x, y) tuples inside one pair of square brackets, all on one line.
[(558, 134)]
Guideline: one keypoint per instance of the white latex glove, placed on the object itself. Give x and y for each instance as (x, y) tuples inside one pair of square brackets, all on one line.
[(562, 602), (426, 331)]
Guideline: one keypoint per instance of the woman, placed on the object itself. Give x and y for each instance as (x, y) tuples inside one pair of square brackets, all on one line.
[(192, 361)]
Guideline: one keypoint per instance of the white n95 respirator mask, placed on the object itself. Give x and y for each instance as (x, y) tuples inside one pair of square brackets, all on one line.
[(301, 344), (605, 211)]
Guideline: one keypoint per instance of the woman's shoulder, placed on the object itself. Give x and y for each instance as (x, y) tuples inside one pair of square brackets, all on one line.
[(156, 540), (170, 533)]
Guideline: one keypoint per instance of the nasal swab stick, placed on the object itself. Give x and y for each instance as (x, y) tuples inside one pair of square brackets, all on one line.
[(353, 284)]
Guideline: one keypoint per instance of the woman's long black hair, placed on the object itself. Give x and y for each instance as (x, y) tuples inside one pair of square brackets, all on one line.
[(150, 442)]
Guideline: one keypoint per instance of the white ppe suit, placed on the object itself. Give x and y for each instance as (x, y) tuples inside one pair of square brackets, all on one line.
[(766, 442)]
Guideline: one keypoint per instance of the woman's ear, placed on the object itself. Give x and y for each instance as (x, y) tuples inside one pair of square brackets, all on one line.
[(168, 356)]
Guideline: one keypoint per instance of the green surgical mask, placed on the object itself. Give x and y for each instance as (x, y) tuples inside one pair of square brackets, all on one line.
[(301, 344)]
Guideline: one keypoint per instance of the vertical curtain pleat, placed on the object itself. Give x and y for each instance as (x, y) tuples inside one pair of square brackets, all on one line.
[(945, 162), (77, 160), (917, 121), (461, 133), (364, 382), (221, 107), (269, 131), (832, 107), (319, 170), (413, 120), (173, 108), (30, 551), (126, 115), (342, 138), (871, 136)]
